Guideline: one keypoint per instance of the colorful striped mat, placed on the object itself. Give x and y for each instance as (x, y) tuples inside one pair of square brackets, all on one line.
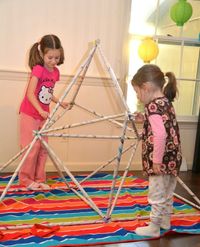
[(33, 213)]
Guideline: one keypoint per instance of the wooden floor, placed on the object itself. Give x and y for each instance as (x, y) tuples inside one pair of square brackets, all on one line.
[(192, 180)]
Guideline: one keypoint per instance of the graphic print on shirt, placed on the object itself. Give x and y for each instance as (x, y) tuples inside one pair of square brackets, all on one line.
[(45, 95)]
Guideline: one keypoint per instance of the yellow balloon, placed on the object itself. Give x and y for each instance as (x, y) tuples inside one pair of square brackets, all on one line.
[(148, 50)]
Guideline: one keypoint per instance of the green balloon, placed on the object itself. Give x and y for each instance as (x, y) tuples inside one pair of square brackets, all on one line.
[(181, 12)]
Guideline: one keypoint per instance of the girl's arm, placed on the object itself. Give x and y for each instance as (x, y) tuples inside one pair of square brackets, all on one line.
[(63, 104), (139, 117), (54, 99), (32, 98), (159, 141)]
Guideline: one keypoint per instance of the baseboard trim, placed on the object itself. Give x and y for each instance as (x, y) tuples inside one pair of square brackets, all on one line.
[(91, 166), (76, 167)]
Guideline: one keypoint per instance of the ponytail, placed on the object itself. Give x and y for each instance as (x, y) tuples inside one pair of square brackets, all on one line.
[(170, 90), (35, 56)]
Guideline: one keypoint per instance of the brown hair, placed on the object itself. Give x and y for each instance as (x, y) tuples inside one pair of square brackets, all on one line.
[(47, 42), (152, 73)]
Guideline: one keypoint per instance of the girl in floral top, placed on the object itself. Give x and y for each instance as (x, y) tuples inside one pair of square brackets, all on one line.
[(161, 149)]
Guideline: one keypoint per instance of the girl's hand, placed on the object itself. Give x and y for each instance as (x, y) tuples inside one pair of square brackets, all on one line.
[(44, 114), (139, 117), (66, 105), (156, 169)]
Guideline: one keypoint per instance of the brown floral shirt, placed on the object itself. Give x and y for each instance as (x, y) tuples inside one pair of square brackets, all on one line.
[(172, 157)]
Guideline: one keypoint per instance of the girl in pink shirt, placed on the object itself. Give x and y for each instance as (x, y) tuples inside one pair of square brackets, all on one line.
[(161, 149), (44, 56)]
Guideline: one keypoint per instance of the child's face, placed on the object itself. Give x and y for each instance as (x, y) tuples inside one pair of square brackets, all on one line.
[(142, 93), (51, 58)]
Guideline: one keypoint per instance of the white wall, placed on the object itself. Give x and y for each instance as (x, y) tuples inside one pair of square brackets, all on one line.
[(76, 22)]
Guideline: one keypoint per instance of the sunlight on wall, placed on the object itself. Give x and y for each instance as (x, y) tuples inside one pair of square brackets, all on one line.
[(154, 20), (139, 26), (134, 64), (139, 15)]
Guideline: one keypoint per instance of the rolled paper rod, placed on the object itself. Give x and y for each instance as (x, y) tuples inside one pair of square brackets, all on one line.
[(123, 178), (100, 115), (54, 161), (85, 196), (27, 226), (18, 168), (187, 201), (69, 126), (82, 77), (114, 78), (116, 169), (63, 135), (146, 217), (48, 123), (57, 117), (188, 190), (133, 125), (108, 163), (14, 158)]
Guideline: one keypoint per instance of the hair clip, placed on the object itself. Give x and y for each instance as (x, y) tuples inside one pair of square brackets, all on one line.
[(39, 47), (166, 79)]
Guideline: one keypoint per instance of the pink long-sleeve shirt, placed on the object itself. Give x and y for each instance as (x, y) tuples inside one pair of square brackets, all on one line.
[(159, 135)]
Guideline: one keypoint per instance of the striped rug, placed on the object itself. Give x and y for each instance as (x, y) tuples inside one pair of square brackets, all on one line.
[(59, 218)]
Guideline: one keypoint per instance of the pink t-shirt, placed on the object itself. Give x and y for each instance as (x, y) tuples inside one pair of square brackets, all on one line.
[(43, 91)]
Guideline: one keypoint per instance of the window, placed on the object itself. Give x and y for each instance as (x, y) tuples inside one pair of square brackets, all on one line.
[(179, 50)]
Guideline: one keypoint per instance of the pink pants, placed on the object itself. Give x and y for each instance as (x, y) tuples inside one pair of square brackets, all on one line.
[(33, 168)]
